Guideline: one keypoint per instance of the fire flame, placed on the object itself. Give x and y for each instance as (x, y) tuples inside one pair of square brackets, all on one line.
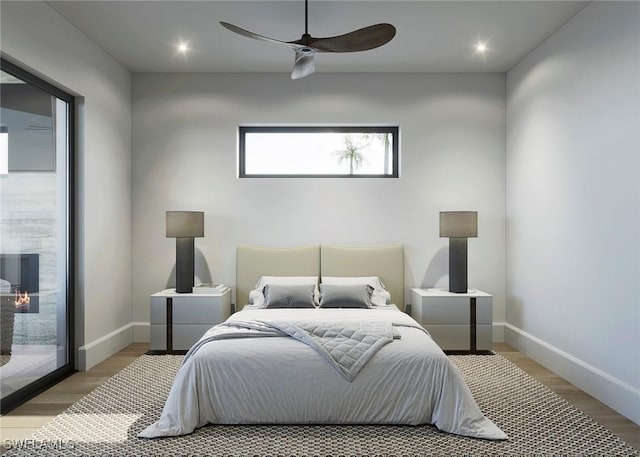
[(22, 299)]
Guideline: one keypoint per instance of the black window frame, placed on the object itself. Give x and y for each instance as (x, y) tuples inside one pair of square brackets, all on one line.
[(395, 148)]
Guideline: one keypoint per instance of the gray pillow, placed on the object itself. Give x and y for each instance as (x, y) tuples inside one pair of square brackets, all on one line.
[(345, 295), (281, 296)]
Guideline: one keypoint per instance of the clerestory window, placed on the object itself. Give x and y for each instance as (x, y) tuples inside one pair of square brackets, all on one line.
[(319, 151)]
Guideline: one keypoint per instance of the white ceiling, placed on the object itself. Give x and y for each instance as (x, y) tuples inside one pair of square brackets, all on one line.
[(433, 36)]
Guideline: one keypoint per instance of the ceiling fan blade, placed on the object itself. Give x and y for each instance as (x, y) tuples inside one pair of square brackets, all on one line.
[(304, 64), (359, 40), (255, 36)]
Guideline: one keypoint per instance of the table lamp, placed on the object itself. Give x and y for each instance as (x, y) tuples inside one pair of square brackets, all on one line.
[(184, 226), (458, 226)]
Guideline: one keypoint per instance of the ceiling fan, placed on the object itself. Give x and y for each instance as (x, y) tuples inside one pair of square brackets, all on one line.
[(306, 47)]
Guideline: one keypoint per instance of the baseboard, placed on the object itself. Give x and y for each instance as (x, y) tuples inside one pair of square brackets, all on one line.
[(104, 347), (141, 332), (616, 394), (498, 332)]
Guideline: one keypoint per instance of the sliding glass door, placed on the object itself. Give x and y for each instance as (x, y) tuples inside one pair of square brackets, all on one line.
[(36, 325)]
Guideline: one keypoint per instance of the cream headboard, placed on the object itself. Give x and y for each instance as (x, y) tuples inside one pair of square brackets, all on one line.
[(386, 262), (252, 262)]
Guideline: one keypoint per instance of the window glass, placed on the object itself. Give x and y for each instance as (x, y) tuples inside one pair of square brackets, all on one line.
[(318, 151)]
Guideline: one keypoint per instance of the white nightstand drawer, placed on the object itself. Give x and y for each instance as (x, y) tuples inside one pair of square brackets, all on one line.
[(457, 337), (158, 310), (186, 335), (191, 310), (196, 310), (445, 310), (158, 335)]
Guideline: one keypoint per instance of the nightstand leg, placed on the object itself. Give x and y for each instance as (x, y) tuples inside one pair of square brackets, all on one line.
[(473, 325), (169, 324)]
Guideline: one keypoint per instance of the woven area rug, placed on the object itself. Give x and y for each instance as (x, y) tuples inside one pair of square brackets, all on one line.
[(538, 422)]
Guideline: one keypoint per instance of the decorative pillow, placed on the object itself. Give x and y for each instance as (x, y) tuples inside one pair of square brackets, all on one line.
[(380, 295), (281, 296), (345, 295), (256, 296)]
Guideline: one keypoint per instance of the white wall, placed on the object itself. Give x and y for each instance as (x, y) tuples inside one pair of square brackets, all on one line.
[(37, 38), (452, 157), (573, 203)]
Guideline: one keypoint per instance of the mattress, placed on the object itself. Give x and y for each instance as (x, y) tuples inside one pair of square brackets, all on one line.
[(282, 380)]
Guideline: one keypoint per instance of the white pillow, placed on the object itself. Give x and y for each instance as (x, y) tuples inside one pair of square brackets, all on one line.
[(380, 295), (256, 296)]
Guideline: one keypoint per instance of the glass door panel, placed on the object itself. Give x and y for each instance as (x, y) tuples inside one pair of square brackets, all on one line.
[(34, 234)]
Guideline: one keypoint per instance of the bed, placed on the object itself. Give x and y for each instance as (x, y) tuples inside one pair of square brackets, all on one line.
[(314, 365)]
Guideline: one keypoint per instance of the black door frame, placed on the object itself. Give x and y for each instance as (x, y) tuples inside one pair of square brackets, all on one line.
[(31, 390)]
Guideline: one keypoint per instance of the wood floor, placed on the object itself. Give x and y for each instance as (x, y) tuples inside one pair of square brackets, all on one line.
[(26, 419)]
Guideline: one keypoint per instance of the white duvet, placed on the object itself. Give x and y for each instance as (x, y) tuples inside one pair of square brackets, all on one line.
[(279, 380)]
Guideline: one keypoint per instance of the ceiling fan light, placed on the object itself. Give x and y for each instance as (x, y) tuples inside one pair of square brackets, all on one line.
[(303, 66)]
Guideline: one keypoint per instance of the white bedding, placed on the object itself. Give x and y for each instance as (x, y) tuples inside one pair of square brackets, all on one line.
[(281, 380)]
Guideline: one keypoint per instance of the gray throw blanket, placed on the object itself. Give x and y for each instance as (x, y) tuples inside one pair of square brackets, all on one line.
[(347, 346)]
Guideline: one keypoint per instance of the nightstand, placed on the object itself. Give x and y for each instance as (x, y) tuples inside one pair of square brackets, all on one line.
[(179, 320), (459, 323)]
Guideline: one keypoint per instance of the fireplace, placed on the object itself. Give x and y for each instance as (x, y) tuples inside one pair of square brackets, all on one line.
[(22, 271)]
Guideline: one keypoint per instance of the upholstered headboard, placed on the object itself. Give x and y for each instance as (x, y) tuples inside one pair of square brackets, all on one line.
[(386, 262), (252, 262)]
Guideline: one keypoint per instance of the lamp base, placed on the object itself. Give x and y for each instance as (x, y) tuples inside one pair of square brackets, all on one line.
[(184, 265), (458, 265)]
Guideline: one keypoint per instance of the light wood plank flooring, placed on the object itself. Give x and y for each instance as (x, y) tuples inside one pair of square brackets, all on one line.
[(608, 418), (26, 419)]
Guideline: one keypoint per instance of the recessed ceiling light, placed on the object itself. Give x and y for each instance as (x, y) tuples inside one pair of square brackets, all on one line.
[(481, 47), (183, 47)]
